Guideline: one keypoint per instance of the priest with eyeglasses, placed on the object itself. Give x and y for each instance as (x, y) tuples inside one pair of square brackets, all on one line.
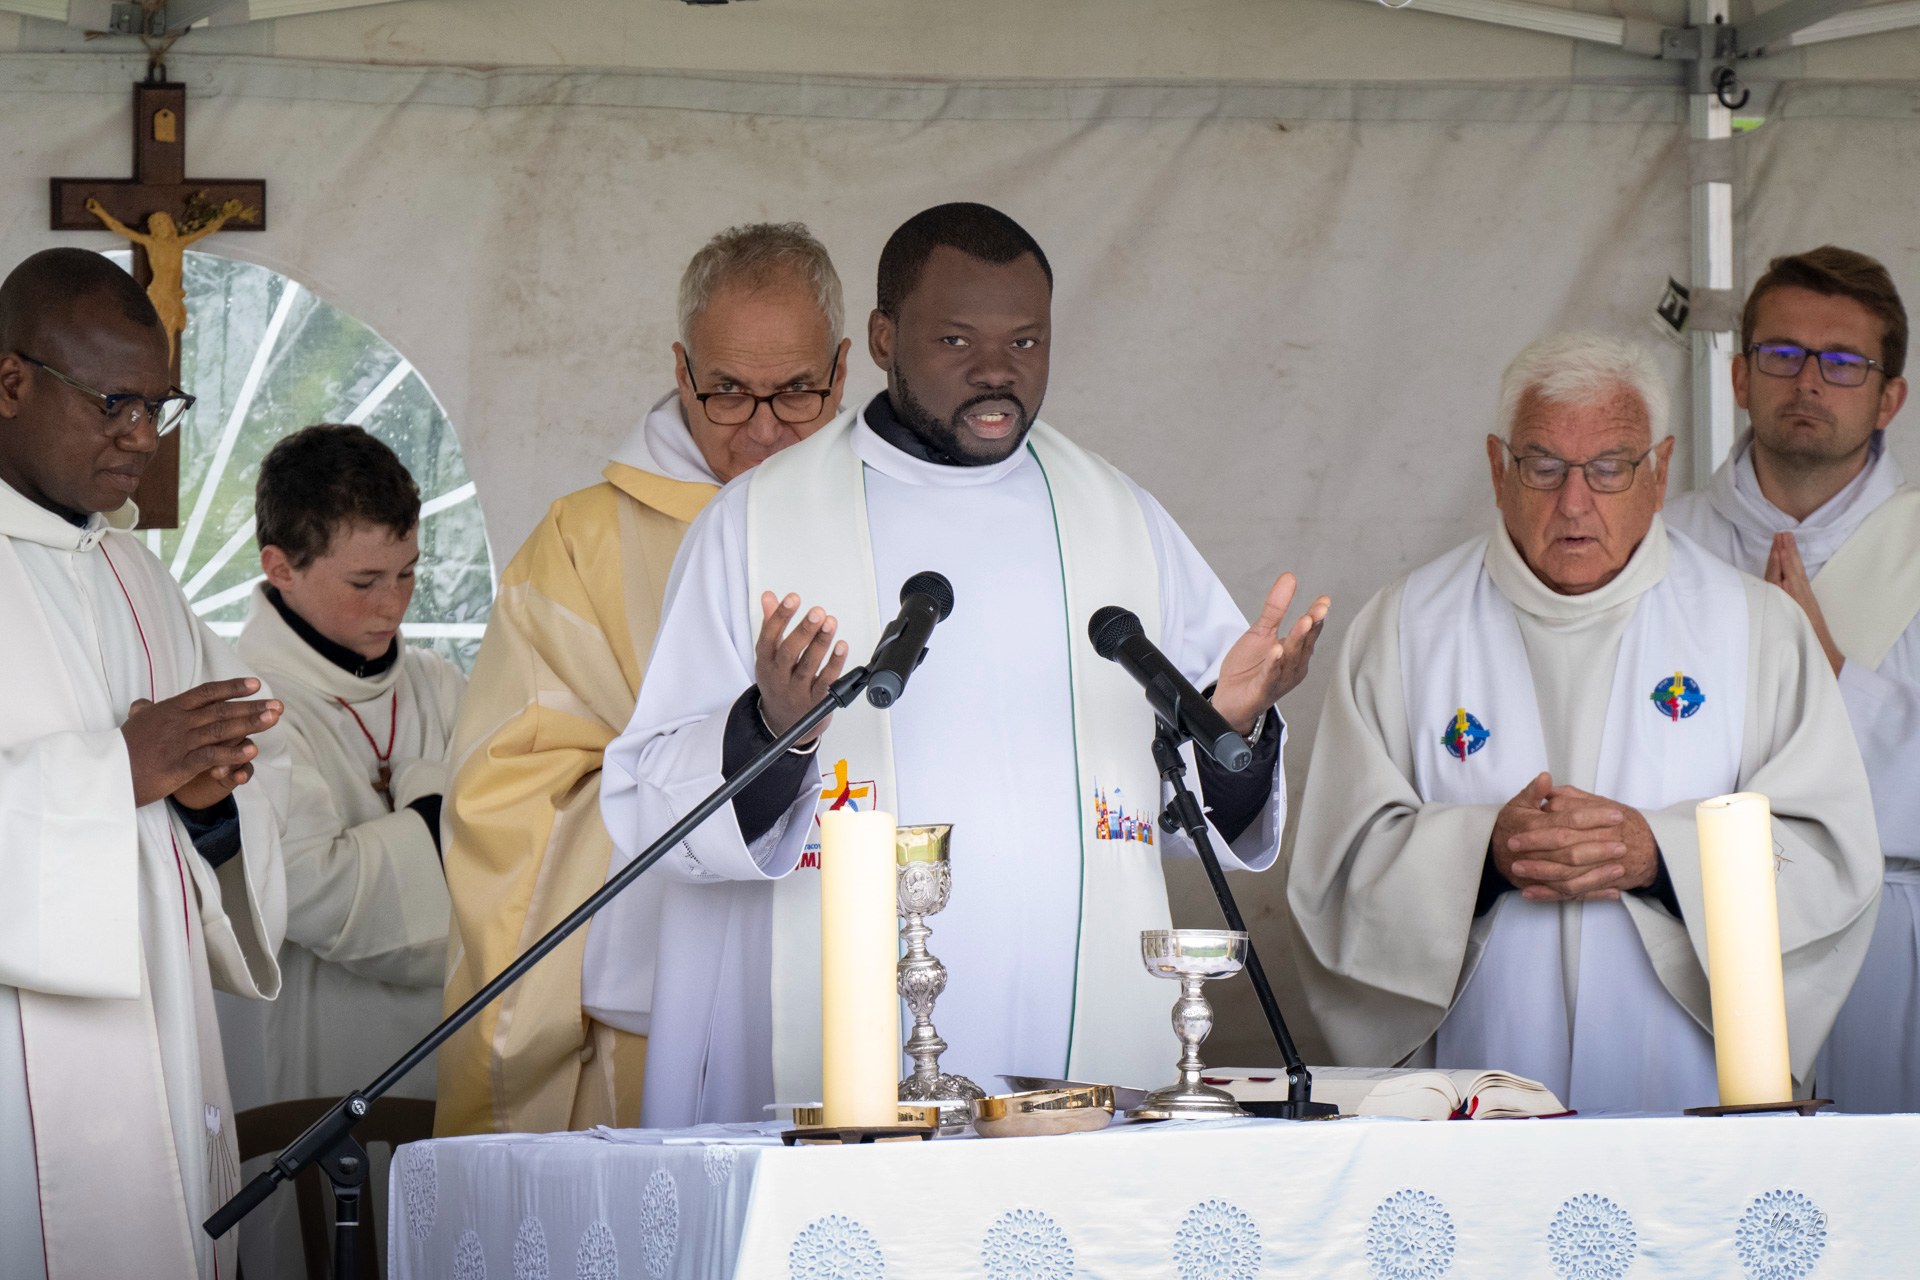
[(1497, 864), (760, 366), (143, 789), (1812, 500)]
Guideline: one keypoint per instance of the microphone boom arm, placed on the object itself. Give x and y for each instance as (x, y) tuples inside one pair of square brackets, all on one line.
[(329, 1141)]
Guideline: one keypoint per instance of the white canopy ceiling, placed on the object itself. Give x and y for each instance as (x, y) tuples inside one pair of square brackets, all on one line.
[(1297, 239)]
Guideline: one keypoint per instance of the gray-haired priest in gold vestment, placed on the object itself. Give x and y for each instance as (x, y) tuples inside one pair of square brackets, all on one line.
[(761, 365), (1497, 863)]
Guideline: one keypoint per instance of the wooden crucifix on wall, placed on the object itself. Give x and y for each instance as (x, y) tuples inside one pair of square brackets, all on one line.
[(160, 211)]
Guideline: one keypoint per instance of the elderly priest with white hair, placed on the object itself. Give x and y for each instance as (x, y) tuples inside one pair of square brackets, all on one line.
[(1497, 863)]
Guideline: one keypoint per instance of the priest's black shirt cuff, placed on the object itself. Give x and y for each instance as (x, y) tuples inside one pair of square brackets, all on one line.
[(215, 830), (428, 807), (1234, 800), (1661, 890), (758, 807)]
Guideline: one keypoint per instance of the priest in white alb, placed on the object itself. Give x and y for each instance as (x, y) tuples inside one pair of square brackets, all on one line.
[(1496, 864), (1812, 501), (141, 800), (1013, 730)]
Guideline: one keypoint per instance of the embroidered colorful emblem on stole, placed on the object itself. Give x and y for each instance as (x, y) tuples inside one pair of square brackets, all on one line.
[(1678, 697), (1464, 736), (837, 791), (1111, 821)]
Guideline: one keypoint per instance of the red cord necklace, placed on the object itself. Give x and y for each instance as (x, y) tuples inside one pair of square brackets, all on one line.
[(383, 780)]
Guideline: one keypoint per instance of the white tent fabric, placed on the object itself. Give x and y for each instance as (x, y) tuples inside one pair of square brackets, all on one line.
[(1283, 308)]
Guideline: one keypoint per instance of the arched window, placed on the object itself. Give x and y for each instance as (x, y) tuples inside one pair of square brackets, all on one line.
[(266, 357)]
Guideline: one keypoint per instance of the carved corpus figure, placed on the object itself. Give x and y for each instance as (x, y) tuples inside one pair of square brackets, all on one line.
[(166, 246)]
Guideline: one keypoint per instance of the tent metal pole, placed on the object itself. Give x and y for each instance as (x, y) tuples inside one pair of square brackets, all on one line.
[(1763, 29), (1710, 334), (1870, 21), (1709, 47), (1549, 19)]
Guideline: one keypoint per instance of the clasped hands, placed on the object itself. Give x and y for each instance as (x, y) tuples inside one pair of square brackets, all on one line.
[(1562, 844), (195, 747), (794, 665), (1786, 571)]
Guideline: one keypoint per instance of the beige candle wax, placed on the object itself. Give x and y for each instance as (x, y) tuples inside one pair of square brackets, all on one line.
[(859, 948), (1743, 949)]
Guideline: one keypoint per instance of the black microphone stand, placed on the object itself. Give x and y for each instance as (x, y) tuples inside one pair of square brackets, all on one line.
[(1183, 814), (329, 1141)]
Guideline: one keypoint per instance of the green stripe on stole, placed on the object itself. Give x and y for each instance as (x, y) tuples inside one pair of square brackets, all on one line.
[(1106, 557)]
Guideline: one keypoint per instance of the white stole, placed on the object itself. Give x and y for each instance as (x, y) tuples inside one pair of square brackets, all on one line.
[(1673, 732), (807, 532), (1869, 590), (111, 1199)]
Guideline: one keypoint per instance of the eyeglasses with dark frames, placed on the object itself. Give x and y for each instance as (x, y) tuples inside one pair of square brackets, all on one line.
[(1604, 475), (796, 406), (124, 412), (1837, 368)]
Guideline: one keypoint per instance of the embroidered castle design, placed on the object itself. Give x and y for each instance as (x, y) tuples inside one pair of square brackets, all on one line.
[(1111, 821)]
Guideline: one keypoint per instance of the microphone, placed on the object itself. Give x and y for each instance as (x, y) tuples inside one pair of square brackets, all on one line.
[(1118, 636), (925, 602)]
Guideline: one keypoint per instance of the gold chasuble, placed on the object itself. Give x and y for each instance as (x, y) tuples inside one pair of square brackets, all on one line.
[(555, 682)]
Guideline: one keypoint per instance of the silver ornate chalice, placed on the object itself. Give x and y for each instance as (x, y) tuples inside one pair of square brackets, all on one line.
[(926, 880), (1191, 957)]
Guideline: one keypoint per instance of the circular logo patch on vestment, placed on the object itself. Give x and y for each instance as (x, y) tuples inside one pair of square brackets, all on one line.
[(1678, 696), (1464, 736)]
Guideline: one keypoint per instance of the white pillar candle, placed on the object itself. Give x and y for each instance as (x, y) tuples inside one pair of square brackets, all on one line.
[(859, 949), (1743, 949)]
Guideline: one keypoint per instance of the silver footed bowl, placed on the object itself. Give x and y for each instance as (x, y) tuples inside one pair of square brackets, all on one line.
[(1191, 957), (1193, 953)]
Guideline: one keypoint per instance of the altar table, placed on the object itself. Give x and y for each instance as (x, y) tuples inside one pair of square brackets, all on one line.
[(1765, 1198)]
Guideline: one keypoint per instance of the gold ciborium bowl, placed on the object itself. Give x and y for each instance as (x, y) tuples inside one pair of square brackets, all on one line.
[(1042, 1111)]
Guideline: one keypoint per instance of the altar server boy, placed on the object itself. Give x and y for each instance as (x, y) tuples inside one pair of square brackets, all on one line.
[(368, 720)]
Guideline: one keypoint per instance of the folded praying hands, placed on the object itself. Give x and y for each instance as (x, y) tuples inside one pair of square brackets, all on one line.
[(1562, 844), (1785, 571), (195, 746)]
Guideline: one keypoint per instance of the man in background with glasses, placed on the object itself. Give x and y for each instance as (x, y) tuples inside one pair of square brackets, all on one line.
[(760, 365), (143, 797), (1496, 863), (1812, 501)]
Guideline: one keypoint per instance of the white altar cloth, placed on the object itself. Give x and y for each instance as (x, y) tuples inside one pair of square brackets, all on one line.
[(1769, 1198)]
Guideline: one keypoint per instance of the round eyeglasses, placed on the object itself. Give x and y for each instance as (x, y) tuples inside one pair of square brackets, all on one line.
[(1837, 368), (795, 406), (1603, 475), (125, 413)]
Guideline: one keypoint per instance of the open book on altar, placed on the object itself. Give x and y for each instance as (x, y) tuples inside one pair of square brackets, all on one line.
[(1411, 1093)]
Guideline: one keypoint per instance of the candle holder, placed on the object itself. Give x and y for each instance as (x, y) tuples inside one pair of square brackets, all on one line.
[(1191, 957), (926, 881)]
